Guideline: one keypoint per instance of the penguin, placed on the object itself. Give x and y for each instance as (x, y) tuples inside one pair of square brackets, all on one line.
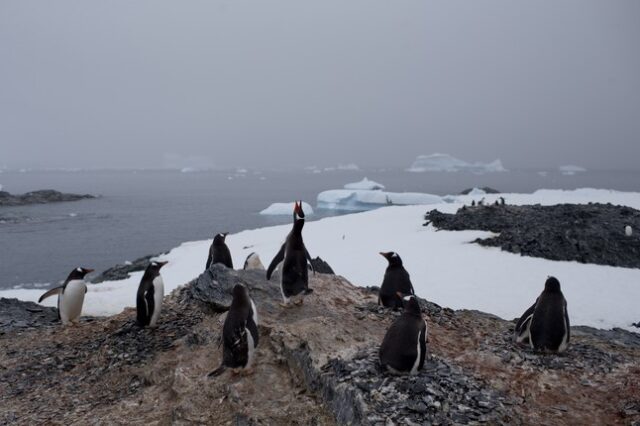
[(150, 295), (546, 323), (294, 276), (502, 201), (239, 333), (396, 280), (253, 262), (404, 347), (473, 203), (219, 252), (628, 230), (70, 295)]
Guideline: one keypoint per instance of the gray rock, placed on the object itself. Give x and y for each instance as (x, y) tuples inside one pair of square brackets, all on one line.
[(39, 197)]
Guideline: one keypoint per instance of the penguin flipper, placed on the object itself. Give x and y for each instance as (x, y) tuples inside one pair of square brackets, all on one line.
[(522, 326), (218, 371), (306, 253), (276, 260), (53, 291)]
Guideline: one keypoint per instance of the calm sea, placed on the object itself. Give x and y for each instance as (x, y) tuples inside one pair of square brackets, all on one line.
[(145, 212)]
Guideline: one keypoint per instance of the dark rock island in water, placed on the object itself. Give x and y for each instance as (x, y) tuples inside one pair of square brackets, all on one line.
[(39, 197), (316, 364), (589, 233)]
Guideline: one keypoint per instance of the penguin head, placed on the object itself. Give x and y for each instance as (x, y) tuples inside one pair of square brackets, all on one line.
[(392, 257), (240, 295), (220, 238), (79, 273), (155, 266), (410, 304), (552, 285), (298, 214)]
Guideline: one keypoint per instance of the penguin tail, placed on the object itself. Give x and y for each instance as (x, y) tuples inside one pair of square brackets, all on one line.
[(50, 293), (218, 371), (308, 291)]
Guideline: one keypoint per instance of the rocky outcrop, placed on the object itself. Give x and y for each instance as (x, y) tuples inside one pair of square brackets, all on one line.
[(39, 197), (316, 364), (591, 233), (123, 271), (16, 315)]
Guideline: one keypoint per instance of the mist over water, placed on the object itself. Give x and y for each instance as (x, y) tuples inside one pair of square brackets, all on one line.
[(147, 212)]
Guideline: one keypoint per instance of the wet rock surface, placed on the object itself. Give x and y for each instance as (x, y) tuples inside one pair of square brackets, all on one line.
[(18, 315), (39, 197), (123, 271), (316, 364), (591, 233)]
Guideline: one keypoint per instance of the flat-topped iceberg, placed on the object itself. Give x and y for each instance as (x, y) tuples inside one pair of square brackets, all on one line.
[(360, 200), (447, 163), (277, 209), (365, 184), (570, 170)]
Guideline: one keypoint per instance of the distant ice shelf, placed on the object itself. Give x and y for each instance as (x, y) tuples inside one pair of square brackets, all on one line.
[(279, 209)]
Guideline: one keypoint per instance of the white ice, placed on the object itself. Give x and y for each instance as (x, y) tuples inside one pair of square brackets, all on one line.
[(445, 266), (365, 184), (360, 200), (570, 170), (447, 163), (277, 209)]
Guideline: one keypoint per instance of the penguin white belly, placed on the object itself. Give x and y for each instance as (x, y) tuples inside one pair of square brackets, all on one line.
[(416, 364), (158, 295), (565, 339), (250, 348), (71, 300), (254, 312)]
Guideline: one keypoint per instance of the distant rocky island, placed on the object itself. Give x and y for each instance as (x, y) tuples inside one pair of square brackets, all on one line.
[(43, 196)]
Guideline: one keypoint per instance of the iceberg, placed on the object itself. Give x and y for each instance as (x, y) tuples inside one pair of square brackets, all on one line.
[(361, 200), (447, 163), (277, 209), (365, 184), (570, 170)]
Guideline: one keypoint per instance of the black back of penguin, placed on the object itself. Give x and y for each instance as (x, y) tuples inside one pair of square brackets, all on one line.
[(145, 297), (219, 252), (294, 255), (396, 280), (404, 346), (241, 319), (549, 329)]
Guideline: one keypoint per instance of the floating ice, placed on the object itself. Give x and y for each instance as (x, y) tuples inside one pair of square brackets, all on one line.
[(447, 163), (364, 184), (360, 200), (570, 170), (277, 209)]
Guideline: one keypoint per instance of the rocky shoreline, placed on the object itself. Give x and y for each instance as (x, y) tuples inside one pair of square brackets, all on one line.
[(43, 196), (316, 364), (588, 233)]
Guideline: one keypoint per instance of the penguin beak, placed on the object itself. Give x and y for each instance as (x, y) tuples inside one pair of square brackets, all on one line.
[(88, 270), (162, 263), (385, 255)]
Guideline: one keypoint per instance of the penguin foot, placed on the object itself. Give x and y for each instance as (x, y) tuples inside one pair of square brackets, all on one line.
[(285, 305), (299, 302)]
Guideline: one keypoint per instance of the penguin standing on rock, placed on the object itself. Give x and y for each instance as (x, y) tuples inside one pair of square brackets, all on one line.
[(546, 323), (219, 252), (396, 280), (239, 333), (70, 295), (150, 295), (404, 347), (294, 282)]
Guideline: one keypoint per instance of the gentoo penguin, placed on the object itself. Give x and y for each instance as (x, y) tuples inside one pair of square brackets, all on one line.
[(396, 280), (628, 230), (219, 252), (70, 295), (239, 332), (473, 203), (253, 262), (546, 323), (404, 347), (150, 295), (294, 281)]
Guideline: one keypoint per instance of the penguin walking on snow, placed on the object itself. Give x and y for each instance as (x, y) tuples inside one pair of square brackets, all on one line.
[(239, 333), (294, 282), (404, 347), (150, 295), (396, 280), (545, 325), (219, 252), (70, 295)]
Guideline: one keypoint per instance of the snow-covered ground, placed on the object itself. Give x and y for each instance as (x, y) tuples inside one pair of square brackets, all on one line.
[(447, 163), (444, 266)]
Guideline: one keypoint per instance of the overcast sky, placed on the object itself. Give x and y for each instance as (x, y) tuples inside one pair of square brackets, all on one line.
[(295, 83)]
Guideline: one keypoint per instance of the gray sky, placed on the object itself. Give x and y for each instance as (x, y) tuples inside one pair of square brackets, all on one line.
[(294, 83)]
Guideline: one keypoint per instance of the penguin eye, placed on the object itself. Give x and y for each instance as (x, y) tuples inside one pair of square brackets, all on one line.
[(154, 264), (79, 269), (394, 255)]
